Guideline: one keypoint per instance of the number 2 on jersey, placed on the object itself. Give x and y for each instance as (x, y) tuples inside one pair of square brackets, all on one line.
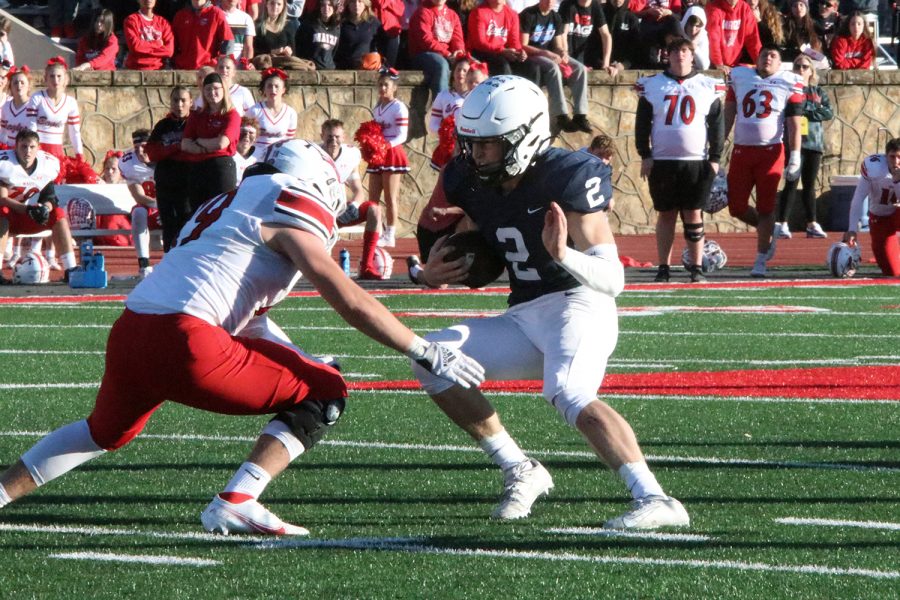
[(519, 256)]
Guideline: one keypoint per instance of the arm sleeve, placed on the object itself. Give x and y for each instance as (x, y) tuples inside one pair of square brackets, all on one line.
[(821, 110), (48, 194), (457, 40), (856, 205), (838, 56), (436, 115), (73, 126), (233, 128), (108, 56), (714, 33), (752, 43), (420, 30), (475, 40), (643, 124), (715, 131), (401, 121)]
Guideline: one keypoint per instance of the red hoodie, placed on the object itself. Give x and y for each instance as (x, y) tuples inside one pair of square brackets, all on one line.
[(490, 31), (390, 13), (149, 42), (199, 36), (102, 59), (847, 53), (731, 30), (433, 29)]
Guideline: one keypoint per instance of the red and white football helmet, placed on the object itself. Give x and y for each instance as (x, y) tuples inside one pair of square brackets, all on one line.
[(31, 268), (383, 263)]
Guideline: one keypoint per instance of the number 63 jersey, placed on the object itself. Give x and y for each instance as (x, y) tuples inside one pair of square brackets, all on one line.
[(512, 223), (221, 269), (762, 103), (680, 108)]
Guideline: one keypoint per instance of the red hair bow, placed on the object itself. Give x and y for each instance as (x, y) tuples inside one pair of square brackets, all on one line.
[(58, 60), (389, 72), (475, 64), (13, 70), (113, 153), (274, 71)]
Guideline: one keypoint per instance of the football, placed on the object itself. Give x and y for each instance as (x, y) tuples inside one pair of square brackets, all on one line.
[(485, 264)]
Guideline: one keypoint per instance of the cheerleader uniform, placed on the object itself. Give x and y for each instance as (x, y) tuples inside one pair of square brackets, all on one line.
[(272, 127), (394, 120), (52, 122), (12, 121)]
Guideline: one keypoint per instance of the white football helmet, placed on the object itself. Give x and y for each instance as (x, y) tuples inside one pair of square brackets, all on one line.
[(511, 109), (80, 214), (718, 193), (308, 162), (843, 260), (384, 264), (714, 257), (31, 268)]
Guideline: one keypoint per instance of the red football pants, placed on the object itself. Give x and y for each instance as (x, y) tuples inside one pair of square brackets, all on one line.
[(885, 246), (750, 166), (153, 358)]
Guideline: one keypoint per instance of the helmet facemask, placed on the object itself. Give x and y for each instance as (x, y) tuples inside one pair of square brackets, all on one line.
[(507, 167)]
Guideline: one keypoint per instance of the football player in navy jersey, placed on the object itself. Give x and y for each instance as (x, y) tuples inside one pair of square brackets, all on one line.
[(561, 326)]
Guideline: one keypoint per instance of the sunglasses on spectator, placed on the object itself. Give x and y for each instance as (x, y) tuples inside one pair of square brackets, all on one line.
[(802, 67)]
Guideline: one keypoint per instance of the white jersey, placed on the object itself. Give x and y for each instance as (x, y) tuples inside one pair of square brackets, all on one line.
[(241, 163), (136, 171), (347, 163), (241, 99), (13, 120), (876, 183), (445, 104), (394, 121), (273, 127), (221, 270), (242, 26), (762, 104), (22, 186), (53, 120), (680, 108)]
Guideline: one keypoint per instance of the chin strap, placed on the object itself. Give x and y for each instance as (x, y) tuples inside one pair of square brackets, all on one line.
[(598, 268)]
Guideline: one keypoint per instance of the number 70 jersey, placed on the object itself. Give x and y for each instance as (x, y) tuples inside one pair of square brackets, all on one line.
[(680, 108), (762, 103)]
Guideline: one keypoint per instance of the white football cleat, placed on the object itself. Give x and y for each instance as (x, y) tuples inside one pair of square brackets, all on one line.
[(144, 271), (224, 517), (759, 267), (523, 484), (650, 513)]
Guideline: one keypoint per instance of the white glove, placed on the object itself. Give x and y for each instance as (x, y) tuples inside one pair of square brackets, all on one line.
[(446, 362), (792, 171)]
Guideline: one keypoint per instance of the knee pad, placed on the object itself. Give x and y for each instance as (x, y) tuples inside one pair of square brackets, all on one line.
[(693, 232), (310, 419), (570, 403)]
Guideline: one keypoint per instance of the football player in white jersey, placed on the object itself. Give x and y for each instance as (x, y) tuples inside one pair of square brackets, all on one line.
[(544, 210), (880, 182), (359, 210), (680, 134), (196, 332), (761, 102), (138, 172), (28, 202)]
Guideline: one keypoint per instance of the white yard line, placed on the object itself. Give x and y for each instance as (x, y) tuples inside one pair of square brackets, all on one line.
[(108, 531), (145, 559), (839, 523), (666, 458), (631, 535), (412, 547)]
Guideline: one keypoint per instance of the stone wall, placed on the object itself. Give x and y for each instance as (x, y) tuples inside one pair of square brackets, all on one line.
[(866, 104)]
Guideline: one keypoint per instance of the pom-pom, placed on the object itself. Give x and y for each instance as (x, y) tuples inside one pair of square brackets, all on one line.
[(73, 170), (372, 145), (446, 142)]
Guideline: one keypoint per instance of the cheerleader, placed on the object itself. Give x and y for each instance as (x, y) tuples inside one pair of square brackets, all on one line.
[(13, 119), (277, 120), (467, 73), (241, 97), (56, 113), (393, 117)]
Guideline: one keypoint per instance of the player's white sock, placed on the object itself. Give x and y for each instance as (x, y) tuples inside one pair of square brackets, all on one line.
[(639, 480), (68, 260), (50, 253), (4, 497), (140, 231), (250, 480), (503, 450)]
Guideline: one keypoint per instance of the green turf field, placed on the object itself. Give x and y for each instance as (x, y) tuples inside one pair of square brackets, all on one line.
[(790, 497)]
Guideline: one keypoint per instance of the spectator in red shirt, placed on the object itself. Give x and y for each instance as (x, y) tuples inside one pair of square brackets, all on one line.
[(435, 38), (98, 48), (149, 39), (493, 36), (210, 141), (853, 49), (200, 32), (390, 13), (732, 30)]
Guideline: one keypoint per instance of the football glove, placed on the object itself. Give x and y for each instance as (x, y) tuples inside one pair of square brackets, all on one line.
[(39, 213), (792, 171), (446, 362)]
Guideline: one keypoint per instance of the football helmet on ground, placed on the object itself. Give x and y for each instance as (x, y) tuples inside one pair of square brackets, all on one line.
[(843, 260), (31, 268), (714, 257), (510, 109)]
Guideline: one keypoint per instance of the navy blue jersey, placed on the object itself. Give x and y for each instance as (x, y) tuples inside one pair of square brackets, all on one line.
[(513, 222)]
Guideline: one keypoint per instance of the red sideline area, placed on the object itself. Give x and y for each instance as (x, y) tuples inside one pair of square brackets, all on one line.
[(871, 383)]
